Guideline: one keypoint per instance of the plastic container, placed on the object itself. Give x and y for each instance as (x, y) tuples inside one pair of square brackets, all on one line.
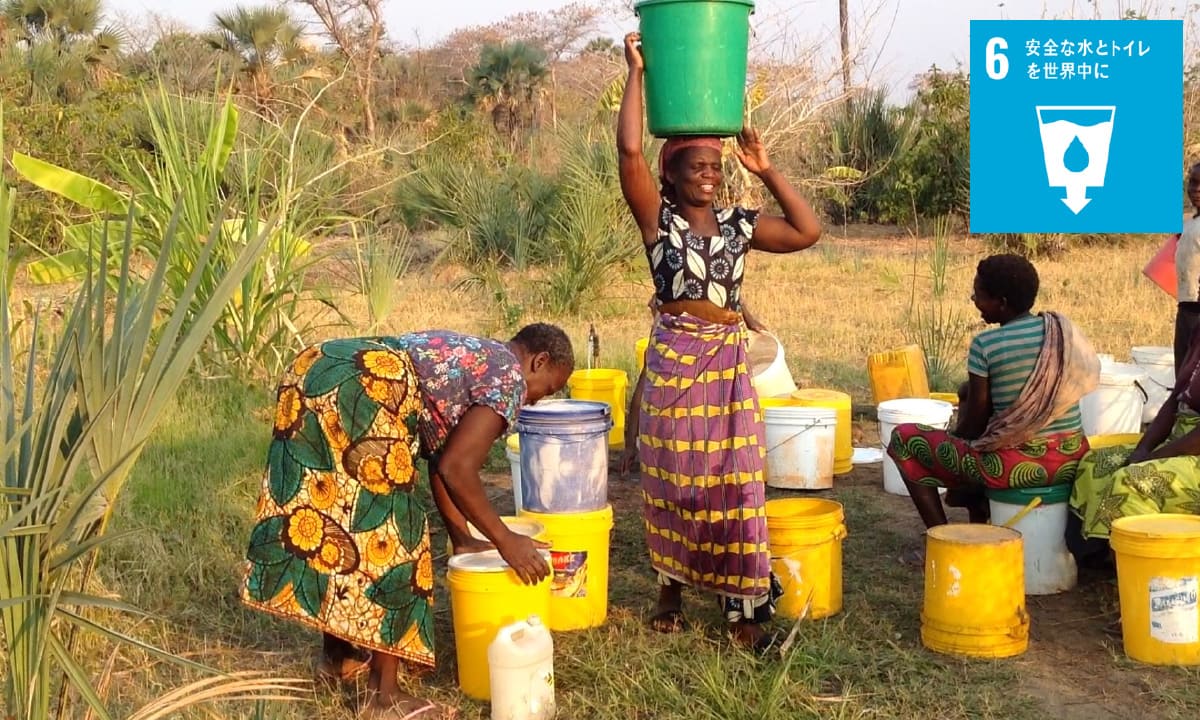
[(639, 349), (1158, 577), (579, 550), (1116, 405), (891, 413), (800, 444), (1159, 365), (486, 595), (521, 668), (843, 441), (1161, 268), (607, 386), (564, 456), (1049, 565), (512, 450), (806, 537), (974, 592), (898, 373), (768, 366), (695, 53)]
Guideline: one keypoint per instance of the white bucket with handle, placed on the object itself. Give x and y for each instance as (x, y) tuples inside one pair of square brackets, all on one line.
[(800, 446), (1159, 364), (768, 367), (1115, 407), (934, 413)]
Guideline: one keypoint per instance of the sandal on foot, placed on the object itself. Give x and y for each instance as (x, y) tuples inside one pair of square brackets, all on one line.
[(765, 644), (669, 621)]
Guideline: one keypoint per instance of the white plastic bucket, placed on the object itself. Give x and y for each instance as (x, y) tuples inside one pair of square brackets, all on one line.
[(1049, 565), (1159, 364), (564, 456), (800, 447), (935, 413), (512, 450), (768, 366), (1115, 407)]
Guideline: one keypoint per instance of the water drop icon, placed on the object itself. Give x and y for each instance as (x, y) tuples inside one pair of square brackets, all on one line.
[(1076, 158)]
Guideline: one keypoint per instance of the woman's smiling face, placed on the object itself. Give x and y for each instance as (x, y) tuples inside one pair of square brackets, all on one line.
[(696, 175)]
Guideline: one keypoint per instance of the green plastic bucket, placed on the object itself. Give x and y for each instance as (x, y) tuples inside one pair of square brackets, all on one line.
[(695, 52)]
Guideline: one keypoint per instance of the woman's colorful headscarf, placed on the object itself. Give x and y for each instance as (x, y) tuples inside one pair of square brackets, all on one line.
[(675, 144)]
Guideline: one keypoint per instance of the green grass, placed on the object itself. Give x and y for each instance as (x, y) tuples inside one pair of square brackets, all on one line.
[(192, 496), (194, 492)]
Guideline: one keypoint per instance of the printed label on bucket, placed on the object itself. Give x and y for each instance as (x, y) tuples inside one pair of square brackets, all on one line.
[(1173, 610), (570, 574)]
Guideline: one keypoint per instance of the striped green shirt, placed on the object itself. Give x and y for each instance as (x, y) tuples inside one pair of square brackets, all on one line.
[(1006, 355)]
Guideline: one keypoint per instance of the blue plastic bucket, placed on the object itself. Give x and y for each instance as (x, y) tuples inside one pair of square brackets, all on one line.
[(564, 456)]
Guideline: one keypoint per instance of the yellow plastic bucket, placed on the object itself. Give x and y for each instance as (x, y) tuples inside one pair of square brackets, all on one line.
[(1096, 442), (898, 374), (579, 546), (639, 349), (486, 595), (1158, 576), (519, 525), (606, 386), (806, 554), (975, 592), (951, 398), (843, 442)]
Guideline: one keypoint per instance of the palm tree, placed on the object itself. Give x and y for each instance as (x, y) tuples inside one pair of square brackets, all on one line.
[(64, 41), (505, 82), (263, 38)]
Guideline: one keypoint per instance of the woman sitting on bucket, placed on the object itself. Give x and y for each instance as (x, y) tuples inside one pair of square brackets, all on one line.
[(1019, 423), (1158, 474)]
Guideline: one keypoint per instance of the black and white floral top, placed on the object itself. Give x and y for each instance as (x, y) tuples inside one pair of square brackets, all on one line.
[(686, 266)]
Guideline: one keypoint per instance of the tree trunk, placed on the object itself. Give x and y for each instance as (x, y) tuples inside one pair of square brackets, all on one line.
[(844, 25)]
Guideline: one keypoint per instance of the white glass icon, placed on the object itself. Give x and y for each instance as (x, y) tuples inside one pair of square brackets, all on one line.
[(1075, 142)]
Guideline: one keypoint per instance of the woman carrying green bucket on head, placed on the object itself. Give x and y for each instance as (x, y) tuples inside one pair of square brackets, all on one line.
[(701, 441)]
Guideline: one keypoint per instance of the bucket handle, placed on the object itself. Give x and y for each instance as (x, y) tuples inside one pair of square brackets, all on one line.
[(794, 435), (1145, 395)]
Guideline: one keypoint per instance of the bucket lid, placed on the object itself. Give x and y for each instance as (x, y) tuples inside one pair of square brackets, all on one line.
[(488, 561), (800, 412), (1121, 374), (835, 398), (557, 411), (1023, 496), (1166, 526), (514, 442), (973, 534), (906, 408)]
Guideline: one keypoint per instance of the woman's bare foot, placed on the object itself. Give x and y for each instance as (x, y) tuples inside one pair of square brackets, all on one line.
[(668, 613), (752, 636)]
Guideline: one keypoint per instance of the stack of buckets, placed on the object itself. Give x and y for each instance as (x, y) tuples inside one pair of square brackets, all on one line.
[(562, 500)]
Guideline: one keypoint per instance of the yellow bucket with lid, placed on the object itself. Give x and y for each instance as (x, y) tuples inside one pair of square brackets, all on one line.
[(1158, 578), (486, 595), (639, 349), (839, 402), (805, 537), (975, 592), (519, 525), (1096, 442)]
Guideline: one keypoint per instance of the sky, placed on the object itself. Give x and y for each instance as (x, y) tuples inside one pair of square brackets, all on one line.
[(899, 37)]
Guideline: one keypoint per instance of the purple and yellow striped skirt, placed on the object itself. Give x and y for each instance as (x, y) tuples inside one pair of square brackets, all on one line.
[(702, 453)]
